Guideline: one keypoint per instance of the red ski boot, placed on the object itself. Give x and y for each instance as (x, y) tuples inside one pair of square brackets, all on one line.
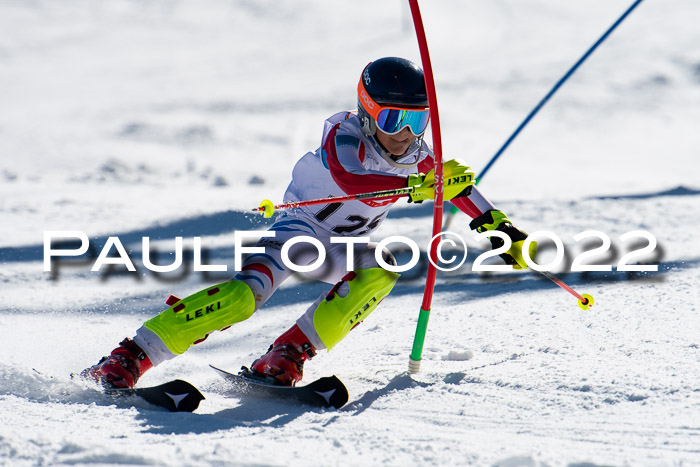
[(122, 368), (284, 361)]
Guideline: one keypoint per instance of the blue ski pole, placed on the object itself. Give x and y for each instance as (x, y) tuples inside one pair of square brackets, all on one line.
[(544, 100)]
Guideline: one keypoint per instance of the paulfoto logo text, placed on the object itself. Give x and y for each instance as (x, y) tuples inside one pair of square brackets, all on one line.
[(451, 252)]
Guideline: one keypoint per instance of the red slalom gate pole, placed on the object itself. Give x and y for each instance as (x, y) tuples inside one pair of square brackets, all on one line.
[(422, 326), (585, 301)]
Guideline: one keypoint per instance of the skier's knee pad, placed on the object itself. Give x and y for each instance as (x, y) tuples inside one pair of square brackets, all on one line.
[(193, 318), (351, 301)]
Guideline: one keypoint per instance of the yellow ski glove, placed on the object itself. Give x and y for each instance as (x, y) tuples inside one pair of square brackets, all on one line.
[(497, 220), (458, 177)]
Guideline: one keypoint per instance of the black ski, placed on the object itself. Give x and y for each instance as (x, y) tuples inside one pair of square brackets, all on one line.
[(324, 392), (176, 395)]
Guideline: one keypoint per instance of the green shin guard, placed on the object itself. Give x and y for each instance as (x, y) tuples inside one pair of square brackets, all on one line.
[(335, 316), (193, 318)]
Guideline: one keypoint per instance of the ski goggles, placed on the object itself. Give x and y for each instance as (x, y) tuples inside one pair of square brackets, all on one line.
[(391, 120)]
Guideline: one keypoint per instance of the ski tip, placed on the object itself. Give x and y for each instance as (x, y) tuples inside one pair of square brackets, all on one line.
[(175, 396), (182, 396), (328, 391), (332, 389), (341, 396)]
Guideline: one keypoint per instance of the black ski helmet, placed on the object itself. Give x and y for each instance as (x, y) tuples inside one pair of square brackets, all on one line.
[(391, 81)]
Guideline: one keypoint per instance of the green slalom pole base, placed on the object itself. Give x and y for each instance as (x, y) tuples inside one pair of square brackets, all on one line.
[(418, 341)]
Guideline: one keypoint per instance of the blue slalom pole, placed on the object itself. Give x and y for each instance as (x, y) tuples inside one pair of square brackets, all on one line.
[(555, 88), (546, 98)]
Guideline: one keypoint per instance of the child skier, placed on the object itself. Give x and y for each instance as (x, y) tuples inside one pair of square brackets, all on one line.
[(380, 147)]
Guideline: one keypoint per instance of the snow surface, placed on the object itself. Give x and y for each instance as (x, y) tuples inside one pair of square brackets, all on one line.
[(172, 118)]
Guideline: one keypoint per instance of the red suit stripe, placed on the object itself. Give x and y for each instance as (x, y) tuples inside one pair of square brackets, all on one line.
[(467, 206), (353, 183), (261, 268)]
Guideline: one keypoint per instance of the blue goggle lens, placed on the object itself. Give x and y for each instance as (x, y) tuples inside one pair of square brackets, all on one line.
[(391, 121)]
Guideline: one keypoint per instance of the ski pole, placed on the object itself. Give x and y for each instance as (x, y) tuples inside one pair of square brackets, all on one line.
[(585, 301), (453, 210), (267, 208)]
